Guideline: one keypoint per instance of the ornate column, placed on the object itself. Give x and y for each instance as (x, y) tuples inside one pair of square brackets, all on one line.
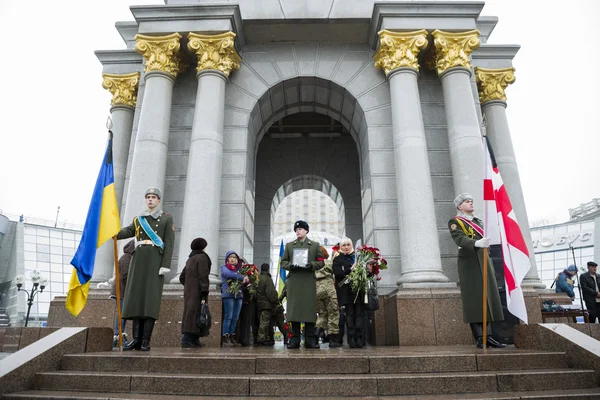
[(453, 65), (217, 58), (491, 84), (148, 166), (123, 88), (397, 56)]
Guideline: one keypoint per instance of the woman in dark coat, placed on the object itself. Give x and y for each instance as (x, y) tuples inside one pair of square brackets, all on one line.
[(196, 284), (354, 305)]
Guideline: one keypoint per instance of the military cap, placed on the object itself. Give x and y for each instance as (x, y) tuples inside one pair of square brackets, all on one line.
[(460, 198), (155, 191), (301, 224)]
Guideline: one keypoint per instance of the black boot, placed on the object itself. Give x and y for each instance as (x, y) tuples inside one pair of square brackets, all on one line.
[(491, 342), (358, 338), (136, 331), (311, 341), (334, 341), (147, 335), (294, 342)]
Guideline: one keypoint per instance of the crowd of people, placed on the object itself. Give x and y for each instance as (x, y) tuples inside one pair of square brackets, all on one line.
[(318, 291)]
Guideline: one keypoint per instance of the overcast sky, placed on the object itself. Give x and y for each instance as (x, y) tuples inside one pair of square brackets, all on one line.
[(54, 109)]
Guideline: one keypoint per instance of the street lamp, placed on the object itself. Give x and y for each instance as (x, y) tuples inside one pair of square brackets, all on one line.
[(38, 282)]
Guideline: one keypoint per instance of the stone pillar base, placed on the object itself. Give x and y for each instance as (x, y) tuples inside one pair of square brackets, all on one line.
[(431, 317), (100, 311)]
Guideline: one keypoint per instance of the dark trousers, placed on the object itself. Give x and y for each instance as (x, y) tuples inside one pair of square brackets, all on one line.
[(342, 325), (248, 324), (355, 320), (309, 333), (594, 311)]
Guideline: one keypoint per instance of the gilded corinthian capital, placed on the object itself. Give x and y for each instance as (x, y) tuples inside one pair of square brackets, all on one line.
[(215, 52), (161, 53), (452, 49), (123, 87), (492, 82), (399, 49)]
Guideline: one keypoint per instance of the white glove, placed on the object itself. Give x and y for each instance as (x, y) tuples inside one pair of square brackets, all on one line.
[(163, 271), (103, 285), (111, 280), (482, 243)]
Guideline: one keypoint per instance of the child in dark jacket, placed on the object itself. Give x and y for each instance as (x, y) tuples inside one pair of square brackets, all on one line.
[(267, 302)]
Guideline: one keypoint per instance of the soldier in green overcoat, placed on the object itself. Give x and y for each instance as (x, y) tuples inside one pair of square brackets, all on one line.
[(467, 231), (154, 236), (301, 287)]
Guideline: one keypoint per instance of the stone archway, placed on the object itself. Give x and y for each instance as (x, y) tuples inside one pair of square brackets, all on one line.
[(332, 168), (282, 79)]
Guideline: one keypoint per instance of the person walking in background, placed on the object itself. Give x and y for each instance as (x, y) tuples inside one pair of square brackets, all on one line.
[(301, 286), (327, 303), (154, 232), (194, 278), (565, 283), (591, 294), (232, 302)]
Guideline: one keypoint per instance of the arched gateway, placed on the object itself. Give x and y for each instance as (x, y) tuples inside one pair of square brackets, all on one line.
[(221, 120)]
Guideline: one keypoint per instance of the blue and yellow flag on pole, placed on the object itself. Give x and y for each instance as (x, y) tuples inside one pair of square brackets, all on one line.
[(102, 223), (281, 273)]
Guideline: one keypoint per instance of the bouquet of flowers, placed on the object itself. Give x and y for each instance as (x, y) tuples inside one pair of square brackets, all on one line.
[(249, 270), (359, 276)]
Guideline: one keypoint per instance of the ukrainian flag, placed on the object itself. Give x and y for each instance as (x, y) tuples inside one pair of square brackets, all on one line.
[(281, 274), (102, 223)]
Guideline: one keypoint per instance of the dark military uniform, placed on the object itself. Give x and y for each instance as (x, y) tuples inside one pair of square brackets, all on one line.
[(144, 289), (301, 290), (143, 293), (470, 274), (267, 302)]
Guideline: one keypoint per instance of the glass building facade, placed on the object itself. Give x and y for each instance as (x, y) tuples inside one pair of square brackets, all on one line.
[(49, 251)]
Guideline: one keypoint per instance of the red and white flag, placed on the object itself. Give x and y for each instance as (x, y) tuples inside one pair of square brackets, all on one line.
[(501, 226)]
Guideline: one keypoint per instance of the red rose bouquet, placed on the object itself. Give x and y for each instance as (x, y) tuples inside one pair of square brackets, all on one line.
[(360, 274), (251, 272)]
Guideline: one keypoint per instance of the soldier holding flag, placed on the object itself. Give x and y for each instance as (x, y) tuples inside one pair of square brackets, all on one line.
[(467, 232), (154, 233)]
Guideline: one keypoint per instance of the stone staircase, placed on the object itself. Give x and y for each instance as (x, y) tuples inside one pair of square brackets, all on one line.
[(4, 318), (457, 372)]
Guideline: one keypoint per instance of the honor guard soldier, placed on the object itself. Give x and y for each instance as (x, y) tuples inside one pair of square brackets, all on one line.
[(154, 234), (467, 231), (300, 259)]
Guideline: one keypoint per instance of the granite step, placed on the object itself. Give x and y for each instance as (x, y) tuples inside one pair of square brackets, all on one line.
[(304, 365), (319, 385), (576, 394)]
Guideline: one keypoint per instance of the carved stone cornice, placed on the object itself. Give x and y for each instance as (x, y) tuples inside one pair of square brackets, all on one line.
[(399, 49), (123, 87), (492, 82), (215, 52), (452, 49), (161, 53)]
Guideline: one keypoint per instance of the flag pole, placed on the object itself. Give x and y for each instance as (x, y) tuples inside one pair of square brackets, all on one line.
[(118, 293), (485, 258)]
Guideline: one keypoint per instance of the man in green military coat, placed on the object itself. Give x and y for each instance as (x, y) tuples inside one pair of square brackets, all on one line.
[(300, 259), (154, 236), (467, 231)]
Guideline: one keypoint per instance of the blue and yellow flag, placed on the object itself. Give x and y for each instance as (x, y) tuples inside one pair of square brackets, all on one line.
[(102, 223), (281, 273)]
